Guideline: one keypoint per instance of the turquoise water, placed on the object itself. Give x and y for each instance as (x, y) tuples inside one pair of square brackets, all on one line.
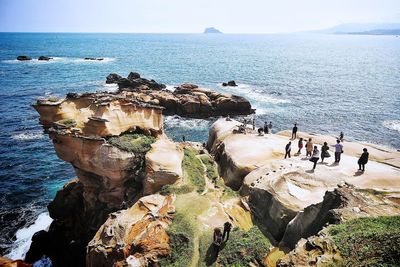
[(326, 83)]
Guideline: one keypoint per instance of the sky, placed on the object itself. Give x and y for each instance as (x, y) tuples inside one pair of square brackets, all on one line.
[(190, 16)]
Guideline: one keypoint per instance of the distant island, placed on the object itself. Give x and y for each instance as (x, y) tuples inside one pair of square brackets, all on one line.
[(379, 32), (212, 30)]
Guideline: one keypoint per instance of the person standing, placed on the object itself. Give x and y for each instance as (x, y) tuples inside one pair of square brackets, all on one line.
[(309, 147), (288, 148), (270, 127), (315, 157), (338, 151), (324, 152), (300, 145), (294, 132), (341, 137), (217, 239), (363, 160), (265, 128), (254, 123), (227, 230)]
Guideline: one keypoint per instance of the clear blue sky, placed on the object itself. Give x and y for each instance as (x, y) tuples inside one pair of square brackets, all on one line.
[(231, 16)]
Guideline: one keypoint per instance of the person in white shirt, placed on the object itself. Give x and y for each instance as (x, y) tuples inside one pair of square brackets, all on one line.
[(315, 157), (338, 151)]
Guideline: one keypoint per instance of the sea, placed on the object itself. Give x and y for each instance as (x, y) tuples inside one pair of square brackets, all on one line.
[(327, 83)]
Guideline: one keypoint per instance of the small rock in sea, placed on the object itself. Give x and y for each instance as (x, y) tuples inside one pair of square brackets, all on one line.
[(230, 83), (23, 58), (93, 58), (44, 58)]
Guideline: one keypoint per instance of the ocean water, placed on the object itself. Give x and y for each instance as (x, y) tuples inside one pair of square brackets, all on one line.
[(325, 83)]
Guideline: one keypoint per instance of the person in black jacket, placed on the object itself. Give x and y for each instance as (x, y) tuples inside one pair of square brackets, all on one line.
[(363, 160), (288, 148), (227, 230), (294, 132)]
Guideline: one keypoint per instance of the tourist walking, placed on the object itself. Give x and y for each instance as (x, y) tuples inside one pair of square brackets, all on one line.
[(363, 160), (270, 127), (338, 151), (294, 132), (227, 230), (217, 239), (265, 127), (341, 137), (288, 148), (309, 147), (300, 145), (315, 156), (324, 152)]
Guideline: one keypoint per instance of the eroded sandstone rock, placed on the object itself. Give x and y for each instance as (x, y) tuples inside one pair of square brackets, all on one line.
[(136, 235)]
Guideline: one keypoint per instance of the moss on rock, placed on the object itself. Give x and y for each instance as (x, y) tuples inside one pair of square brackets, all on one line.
[(368, 241), (136, 143)]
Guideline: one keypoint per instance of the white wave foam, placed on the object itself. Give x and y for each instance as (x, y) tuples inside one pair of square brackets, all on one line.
[(393, 125), (24, 236), (179, 122), (59, 59), (255, 93), (170, 88), (110, 87), (104, 60), (33, 135)]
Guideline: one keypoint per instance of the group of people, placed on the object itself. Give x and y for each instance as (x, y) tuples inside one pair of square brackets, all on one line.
[(219, 236), (314, 154)]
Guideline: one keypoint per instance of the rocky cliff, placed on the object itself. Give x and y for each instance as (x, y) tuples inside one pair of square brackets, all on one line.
[(117, 148)]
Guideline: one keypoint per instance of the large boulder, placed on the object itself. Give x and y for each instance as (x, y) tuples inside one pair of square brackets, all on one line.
[(230, 83), (113, 78), (163, 165), (137, 234)]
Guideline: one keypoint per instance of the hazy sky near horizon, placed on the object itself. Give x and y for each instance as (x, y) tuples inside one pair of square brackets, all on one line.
[(230, 16)]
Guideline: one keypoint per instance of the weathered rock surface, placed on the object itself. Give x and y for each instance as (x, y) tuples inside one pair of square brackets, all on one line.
[(314, 251), (283, 195), (23, 58), (100, 114), (109, 178), (187, 99), (137, 234), (163, 165)]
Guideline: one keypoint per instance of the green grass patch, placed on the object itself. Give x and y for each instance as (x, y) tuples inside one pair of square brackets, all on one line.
[(176, 189), (193, 169), (368, 241), (242, 249), (181, 234), (211, 167), (67, 122), (136, 143)]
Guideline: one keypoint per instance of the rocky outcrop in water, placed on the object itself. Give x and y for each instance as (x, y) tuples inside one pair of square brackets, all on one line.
[(44, 58), (230, 83), (186, 100), (24, 58)]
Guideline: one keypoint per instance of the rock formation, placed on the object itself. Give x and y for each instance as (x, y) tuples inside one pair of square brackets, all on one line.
[(44, 58), (211, 30), (288, 200), (105, 137), (230, 83), (136, 236), (187, 100), (23, 58)]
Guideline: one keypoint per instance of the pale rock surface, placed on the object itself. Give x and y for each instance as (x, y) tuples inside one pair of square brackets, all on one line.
[(163, 165)]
